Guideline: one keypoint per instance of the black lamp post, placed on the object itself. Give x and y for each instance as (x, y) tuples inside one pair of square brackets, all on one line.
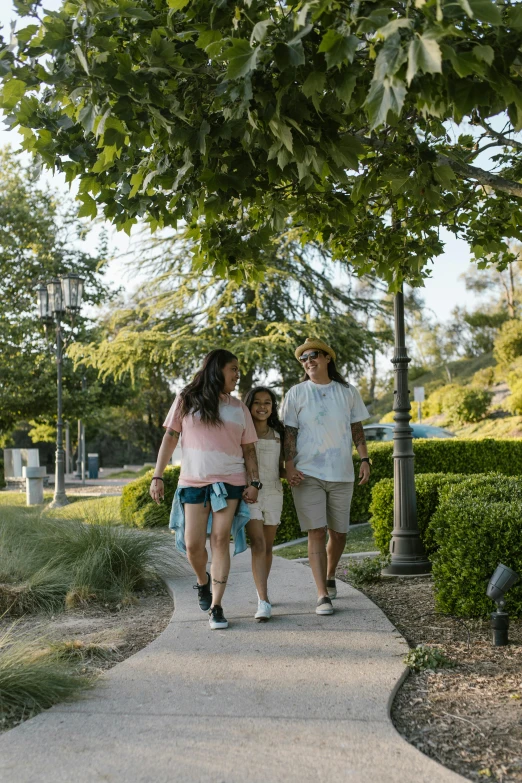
[(59, 298), (407, 553)]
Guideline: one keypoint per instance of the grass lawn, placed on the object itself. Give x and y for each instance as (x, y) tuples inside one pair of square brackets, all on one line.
[(129, 473), (103, 510), (356, 541)]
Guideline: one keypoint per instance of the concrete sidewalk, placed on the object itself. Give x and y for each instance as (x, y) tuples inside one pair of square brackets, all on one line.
[(301, 699)]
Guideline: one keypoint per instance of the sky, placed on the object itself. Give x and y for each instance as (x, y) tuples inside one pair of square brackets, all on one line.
[(442, 293)]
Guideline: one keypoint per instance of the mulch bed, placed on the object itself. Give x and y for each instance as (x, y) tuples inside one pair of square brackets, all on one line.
[(468, 717)]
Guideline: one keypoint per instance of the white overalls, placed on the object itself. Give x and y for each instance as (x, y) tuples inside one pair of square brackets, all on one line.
[(270, 499)]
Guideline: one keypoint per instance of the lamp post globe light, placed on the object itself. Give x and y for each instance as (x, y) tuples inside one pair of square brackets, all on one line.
[(57, 299)]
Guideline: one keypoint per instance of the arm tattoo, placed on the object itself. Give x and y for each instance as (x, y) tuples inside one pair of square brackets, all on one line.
[(249, 453), (358, 434), (172, 433), (290, 443)]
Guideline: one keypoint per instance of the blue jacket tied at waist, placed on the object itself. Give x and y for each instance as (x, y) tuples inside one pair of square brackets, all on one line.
[(218, 501)]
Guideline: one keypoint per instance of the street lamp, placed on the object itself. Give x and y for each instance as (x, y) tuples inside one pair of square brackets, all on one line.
[(407, 553), (58, 298)]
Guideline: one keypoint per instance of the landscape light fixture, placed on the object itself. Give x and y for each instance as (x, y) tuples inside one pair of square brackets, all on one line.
[(502, 580)]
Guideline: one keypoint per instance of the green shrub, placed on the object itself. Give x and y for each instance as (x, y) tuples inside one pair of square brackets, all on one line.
[(137, 509), (427, 488), (513, 403), (460, 404), (423, 657), (478, 525), (508, 343)]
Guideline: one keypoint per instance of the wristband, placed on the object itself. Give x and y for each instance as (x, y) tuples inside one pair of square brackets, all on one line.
[(157, 478), (366, 459)]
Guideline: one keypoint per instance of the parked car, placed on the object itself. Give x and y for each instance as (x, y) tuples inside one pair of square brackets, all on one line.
[(383, 432)]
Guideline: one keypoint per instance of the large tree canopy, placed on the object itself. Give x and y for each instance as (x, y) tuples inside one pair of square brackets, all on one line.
[(241, 117)]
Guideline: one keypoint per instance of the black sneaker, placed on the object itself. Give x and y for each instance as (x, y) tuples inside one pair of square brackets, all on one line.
[(204, 595), (217, 619)]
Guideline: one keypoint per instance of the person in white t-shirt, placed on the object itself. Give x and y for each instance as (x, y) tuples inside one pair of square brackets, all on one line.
[(323, 417)]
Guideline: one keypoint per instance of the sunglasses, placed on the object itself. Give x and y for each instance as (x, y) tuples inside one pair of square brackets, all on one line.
[(312, 355)]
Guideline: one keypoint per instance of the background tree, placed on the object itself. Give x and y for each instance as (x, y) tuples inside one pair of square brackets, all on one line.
[(241, 117), (178, 315), (40, 237)]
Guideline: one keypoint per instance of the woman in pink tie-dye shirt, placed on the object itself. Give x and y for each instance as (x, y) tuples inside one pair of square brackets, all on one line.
[(218, 454)]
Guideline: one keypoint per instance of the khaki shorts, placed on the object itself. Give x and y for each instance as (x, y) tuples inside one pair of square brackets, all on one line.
[(323, 503)]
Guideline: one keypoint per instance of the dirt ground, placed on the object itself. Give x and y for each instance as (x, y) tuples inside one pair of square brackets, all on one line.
[(467, 717), (122, 629)]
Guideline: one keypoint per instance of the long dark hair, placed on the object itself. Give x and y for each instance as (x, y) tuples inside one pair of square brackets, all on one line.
[(202, 393), (333, 372), (273, 420)]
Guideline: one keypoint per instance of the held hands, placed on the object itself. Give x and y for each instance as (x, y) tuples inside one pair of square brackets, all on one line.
[(294, 477), (364, 473), (156, 490), (250, 495)]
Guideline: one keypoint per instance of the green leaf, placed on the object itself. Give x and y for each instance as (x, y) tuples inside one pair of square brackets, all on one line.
[(393, 27), (178, 5), (260, 30), (87, 116), (88, 208), (444, 175), (486, 11), (282, 132), (207, 37), (12, 92), (484, 53), (80, 55), (242, 58), (466, 6), (314, 83), (338, 48), (289, 55), (383, 97), (423, 55), (345, 86), (390, 58)]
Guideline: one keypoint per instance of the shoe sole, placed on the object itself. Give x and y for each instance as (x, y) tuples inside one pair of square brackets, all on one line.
[(218, 626), (262, 619), (324, 611)]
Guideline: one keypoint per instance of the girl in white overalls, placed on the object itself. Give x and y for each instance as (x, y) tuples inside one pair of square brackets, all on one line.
[(265, 514)]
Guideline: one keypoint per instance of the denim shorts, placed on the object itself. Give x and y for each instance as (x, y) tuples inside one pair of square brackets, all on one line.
[(202, 494)]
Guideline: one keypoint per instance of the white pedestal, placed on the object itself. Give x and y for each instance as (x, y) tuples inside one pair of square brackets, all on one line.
[(34, 484)]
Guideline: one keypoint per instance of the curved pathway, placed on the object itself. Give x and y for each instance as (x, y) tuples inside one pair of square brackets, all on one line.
[(301, 699)]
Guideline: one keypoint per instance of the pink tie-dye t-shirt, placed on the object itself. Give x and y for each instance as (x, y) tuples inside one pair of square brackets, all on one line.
[(213, 453)]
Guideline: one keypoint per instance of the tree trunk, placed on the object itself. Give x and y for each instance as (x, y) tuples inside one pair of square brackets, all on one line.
[(246, 381), (373, 375)]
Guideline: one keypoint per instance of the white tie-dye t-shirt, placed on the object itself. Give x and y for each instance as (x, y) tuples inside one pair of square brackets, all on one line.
[(322, 414)]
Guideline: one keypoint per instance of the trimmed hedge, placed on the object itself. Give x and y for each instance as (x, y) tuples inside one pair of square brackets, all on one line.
[(440, 456), (427, 486), (477, 525), (137, 508)]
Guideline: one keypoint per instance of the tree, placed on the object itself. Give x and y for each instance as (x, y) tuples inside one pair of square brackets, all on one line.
[(241, 117), (40, 237), (179, 315), (505, 284)]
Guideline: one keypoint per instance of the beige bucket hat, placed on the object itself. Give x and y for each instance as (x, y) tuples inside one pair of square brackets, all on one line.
[(313, 342)]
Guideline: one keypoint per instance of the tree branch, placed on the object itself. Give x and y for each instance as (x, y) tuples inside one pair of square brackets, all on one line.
[(501, 137), (494, 181)]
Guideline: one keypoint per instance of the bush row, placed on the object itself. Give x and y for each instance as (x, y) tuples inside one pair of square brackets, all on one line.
[(468, 525), (431, 456), (477, 525), (440, 456)]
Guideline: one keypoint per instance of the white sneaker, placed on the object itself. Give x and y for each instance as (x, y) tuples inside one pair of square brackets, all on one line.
[(264, 611), (267, 598), (324, 606), (332, 588)]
